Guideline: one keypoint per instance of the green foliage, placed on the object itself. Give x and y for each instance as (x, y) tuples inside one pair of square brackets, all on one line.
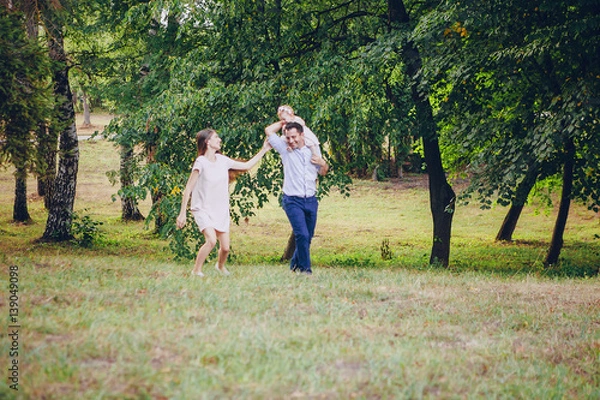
[(86, 231), (515, 79), (219, 84), (510, 82), (25, 101), (566, 269)]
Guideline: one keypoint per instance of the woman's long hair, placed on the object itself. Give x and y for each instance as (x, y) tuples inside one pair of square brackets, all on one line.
[(202, 138)]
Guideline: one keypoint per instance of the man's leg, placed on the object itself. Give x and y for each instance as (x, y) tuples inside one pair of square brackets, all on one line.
[(294, 209), (294, 261), (310, 211), (311, 206)]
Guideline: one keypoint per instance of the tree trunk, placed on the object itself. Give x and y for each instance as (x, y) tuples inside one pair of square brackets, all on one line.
[(47, 142), (86, 111), (129, 207), (41, 169), (521, 194), (17, 138), (58, 225), (20, 211), (442, 197), (20, 208), (443, 201), (155, 194), (510, 223), (565, 202), (289, 249), (159, 217)]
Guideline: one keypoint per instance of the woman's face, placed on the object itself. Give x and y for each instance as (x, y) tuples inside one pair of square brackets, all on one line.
[(214, 142)]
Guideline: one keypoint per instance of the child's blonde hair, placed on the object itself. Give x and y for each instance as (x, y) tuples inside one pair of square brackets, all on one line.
[(285, 108)]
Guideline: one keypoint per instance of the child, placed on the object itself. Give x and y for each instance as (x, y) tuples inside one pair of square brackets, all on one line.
[(286, 114)]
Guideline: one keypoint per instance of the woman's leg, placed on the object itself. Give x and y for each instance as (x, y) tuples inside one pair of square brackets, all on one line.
[(210, 240), (223, 250)]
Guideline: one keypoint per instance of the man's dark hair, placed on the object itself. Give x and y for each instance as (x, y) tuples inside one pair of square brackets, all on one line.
[(294, 125)]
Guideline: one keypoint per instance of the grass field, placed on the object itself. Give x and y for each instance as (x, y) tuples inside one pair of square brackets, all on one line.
[(123, 320)]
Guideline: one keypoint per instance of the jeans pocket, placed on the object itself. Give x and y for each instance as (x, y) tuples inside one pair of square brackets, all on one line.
[(286, 201)]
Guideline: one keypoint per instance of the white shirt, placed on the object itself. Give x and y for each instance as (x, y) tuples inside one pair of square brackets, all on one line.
[(299, 173)]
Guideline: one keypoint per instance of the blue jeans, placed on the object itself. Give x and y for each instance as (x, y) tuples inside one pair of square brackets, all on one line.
[(302, 213)]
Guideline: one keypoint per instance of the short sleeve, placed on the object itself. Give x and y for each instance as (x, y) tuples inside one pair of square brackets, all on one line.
[(278, 143), (226, 160), (197, 165)]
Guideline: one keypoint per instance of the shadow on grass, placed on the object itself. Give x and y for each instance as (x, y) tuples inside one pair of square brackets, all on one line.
[(578, 260)]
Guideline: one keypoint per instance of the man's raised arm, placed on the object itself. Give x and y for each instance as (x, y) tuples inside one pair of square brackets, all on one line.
[(277, 142), (273, 128)]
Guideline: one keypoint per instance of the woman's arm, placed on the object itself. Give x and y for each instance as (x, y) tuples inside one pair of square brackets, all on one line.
[(246, 165), (191, 183)]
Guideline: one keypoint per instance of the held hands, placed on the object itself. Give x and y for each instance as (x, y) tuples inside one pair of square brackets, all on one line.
[(266, 145)]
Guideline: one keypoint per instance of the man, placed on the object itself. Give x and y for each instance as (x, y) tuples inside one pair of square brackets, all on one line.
[(300, 169)]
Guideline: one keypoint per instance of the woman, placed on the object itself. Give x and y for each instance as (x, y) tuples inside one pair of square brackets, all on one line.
[(208, 186)]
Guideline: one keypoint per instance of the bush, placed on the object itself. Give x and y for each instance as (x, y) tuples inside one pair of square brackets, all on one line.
[(85, 230)]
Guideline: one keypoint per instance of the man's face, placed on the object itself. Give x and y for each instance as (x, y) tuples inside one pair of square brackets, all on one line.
[(294, 138)]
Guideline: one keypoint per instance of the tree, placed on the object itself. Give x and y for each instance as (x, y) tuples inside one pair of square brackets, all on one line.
[(517, 204), (519, 93), (129, 205), (58, 224), (442, 197), (235, 62), (23, 103)]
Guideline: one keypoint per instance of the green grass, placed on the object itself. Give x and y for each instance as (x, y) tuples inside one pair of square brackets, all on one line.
[(124, 320), (109, 327)]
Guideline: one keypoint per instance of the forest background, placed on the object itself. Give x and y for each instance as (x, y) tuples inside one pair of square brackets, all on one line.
[(502, 93), (445, 123)]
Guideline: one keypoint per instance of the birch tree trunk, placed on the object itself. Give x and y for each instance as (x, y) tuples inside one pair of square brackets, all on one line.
[(129, 206), (87, 121), (58, 225)]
